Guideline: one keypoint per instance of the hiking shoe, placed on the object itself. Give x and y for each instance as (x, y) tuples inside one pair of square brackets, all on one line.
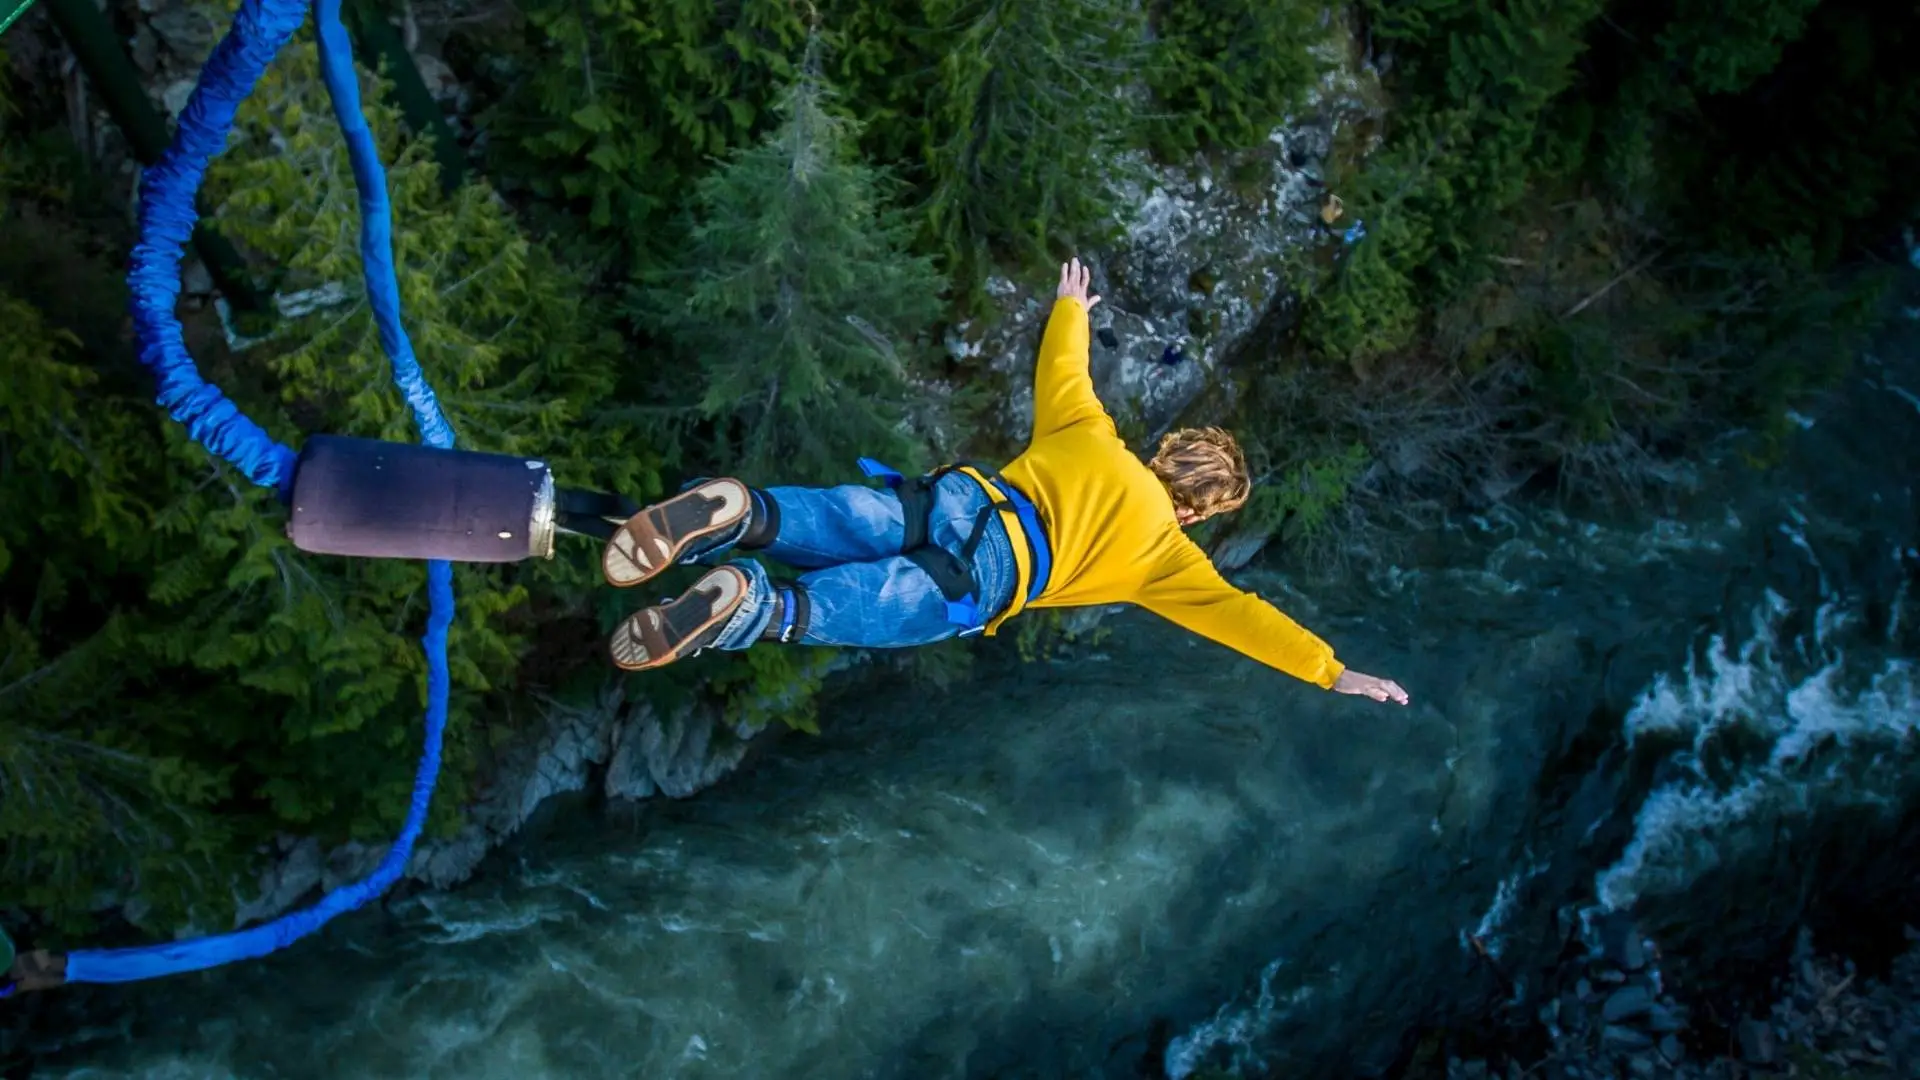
[(656, 538), (657, 636)]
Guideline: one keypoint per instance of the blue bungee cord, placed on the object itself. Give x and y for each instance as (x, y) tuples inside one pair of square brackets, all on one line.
[(167, 216)]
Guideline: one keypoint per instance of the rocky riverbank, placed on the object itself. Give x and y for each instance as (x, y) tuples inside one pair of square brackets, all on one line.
[(1615, 1017), (1201, 262)]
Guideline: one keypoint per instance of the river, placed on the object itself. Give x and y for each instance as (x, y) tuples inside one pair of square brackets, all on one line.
[(1158, 858)]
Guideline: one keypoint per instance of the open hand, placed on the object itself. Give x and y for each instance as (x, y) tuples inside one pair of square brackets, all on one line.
[(1074, 279), (1353, 682)]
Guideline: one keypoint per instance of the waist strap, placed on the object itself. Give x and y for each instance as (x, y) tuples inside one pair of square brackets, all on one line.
[(954, 573), (1028, 536)]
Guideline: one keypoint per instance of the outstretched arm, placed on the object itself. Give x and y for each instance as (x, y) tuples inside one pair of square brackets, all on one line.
[(1062, 384), (1193, 595)]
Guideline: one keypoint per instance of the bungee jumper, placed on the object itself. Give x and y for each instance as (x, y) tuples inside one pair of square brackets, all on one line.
[(1075, 520)]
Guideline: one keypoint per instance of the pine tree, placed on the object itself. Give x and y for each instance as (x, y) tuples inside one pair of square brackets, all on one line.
[(177, 683), (796, 307), (84, 803), (1025, 125), (1225, 73), (624, 101), (884, 61)]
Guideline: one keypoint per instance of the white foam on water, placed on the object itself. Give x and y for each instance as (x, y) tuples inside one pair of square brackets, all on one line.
[(1822, 709), (1797, 535), (1855, 700), (454, 919), (1234, 1027), (1506, 901), (1905, 395), (1701, 700), (1676, 839)]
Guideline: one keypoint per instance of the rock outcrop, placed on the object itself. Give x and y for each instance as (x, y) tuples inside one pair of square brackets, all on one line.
[(1615, 1019), (630, 748), (1201, 264)]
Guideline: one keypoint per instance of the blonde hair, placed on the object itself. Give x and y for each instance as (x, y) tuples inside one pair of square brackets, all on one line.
[(1203, 469)]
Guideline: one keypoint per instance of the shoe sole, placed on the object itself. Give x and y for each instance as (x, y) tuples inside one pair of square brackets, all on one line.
[(655, 538), (657, 636)]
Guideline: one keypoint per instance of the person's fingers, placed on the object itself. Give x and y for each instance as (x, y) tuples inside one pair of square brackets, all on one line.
[(1091, 301)]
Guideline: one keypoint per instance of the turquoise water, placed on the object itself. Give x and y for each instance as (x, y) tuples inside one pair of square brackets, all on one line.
[(1157, 856)]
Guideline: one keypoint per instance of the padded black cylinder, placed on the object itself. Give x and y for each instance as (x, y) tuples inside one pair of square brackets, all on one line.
[(384, 500)]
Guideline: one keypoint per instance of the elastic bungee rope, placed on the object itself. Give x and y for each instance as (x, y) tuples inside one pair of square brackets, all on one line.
[(167, 216)]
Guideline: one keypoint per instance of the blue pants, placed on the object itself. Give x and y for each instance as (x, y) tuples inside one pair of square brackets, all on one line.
[(863, 592)]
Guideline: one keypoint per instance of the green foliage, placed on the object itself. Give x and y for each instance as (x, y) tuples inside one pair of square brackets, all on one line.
[(1465, 150), (761, 685), (1225, 73), (622, 101), (941, 666), (1594, 205), (1371, 306), (884, 58), (1054, 633), (181, 685), (1484, 76), (89, 805), (501, 334), (1724, 49), (518, 354), (795, 310), (1304, 494), (1822, 145), (1026, 122), (86, 804)]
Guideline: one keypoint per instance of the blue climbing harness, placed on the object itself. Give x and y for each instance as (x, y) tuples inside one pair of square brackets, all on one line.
[(167, 215), (953, 573)]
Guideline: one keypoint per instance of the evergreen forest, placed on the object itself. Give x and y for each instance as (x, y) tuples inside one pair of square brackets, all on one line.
[(656, 240)]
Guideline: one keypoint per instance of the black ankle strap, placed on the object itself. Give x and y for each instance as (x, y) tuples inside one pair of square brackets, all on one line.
[(792, 613), (763, 521)]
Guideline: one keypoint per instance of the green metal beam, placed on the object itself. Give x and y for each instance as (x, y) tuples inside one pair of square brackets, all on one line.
[(112, 76), (10, 12), (111, 73), (374, 35)]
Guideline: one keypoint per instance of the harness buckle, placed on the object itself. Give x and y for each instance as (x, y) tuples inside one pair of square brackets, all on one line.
[(951, 573)]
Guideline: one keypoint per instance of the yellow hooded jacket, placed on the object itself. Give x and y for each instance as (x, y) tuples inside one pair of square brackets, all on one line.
[(1111, 528)]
